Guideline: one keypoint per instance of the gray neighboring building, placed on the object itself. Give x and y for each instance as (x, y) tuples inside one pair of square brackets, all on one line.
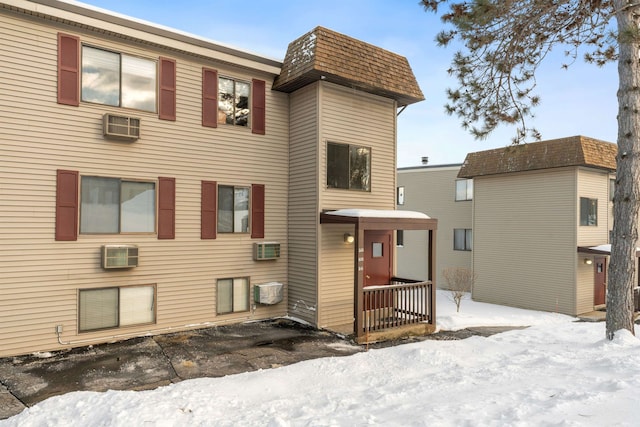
[(542, 218), (539, 216), (437, 191)]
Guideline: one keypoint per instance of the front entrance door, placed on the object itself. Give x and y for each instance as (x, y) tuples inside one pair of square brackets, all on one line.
[(599, 280), (378, 257)]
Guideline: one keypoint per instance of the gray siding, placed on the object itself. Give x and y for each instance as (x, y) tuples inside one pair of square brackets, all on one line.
[(525, 240), (41, 277), (432, 190)]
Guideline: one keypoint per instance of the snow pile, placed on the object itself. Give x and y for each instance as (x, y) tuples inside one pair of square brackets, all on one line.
[(556, 372), (474, 313)]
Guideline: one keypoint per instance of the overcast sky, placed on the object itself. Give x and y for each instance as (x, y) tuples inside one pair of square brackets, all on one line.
[(580, 101)]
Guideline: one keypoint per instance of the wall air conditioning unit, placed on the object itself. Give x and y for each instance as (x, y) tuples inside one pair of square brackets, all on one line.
[(266, 250), (121, 127), (119, 256), (268, 293)]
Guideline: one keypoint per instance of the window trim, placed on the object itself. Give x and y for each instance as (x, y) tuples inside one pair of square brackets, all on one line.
[(248, 293), (468, 189), (249, 101), (249, 209), (119, 232), (349, 147), (584, 219), (154, 305), (468, 239), (120, 54)]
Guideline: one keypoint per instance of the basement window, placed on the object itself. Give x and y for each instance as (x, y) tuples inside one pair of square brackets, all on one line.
[(115, 307)]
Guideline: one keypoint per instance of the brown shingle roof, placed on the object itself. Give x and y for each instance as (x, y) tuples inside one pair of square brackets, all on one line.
[(334, 57), (555, 153)]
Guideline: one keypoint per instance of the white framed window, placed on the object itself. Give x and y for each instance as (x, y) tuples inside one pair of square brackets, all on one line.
[(233, 209), (115, 307), (232, 295), (233, 101), (348, 167), (113, 205), (120, 80), (588, 212), (462, 239), (464, 189)]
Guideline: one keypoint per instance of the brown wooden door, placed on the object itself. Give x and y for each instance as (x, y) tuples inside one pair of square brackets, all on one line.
[(599, 280), (378, 257)]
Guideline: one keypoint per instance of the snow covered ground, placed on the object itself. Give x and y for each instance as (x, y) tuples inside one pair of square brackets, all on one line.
[(558, 372)]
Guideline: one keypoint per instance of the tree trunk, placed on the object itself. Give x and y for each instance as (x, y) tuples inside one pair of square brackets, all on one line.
[(626, 198)]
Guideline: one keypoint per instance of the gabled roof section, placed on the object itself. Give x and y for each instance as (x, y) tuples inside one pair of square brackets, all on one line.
[(322, 54), (555, 153)]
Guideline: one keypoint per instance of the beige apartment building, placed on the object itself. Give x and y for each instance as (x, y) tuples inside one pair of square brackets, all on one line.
[(153, 181), (540, 215)]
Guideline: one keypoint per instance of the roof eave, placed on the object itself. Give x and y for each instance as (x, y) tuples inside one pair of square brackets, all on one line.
[(314, 75)]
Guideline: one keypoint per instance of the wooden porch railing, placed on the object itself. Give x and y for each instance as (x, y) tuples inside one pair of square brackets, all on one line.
[(403, 302)]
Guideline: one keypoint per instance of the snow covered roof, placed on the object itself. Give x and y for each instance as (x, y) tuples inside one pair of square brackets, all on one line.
[(378, 213), (380, 219), (604, 249)]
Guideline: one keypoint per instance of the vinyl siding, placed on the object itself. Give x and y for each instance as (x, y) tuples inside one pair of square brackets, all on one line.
[(337, 272), (351, 117), (584, 284), (356, 118), (41, 277), (303, 204), (593, 184), (432, 190), (525, 240), (412, 256)]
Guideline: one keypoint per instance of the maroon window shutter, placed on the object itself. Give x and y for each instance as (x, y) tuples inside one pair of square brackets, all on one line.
[(66, 205), (68, 69), (209, 97), (167, 104), (166, 208), (258, 107), (208, 217), (257, 211)]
